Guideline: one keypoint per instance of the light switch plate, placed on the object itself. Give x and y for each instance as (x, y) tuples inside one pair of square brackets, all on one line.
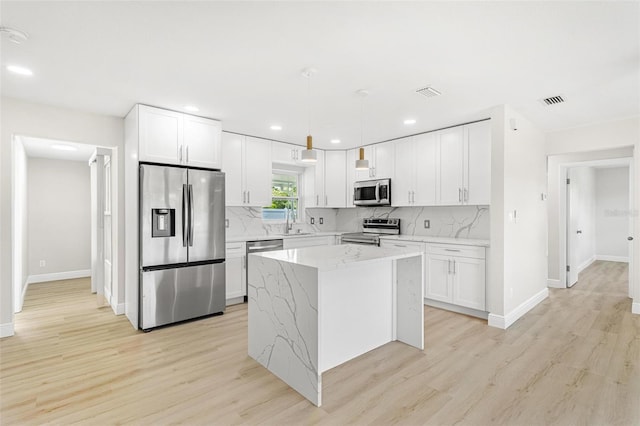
[(427, 223), (313, 221), (321, 221)]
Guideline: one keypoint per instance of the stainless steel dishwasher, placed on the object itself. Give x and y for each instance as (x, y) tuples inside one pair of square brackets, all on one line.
[(258, 247)]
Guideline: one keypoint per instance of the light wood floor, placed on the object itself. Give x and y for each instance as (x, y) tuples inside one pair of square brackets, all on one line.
[(574, 359)]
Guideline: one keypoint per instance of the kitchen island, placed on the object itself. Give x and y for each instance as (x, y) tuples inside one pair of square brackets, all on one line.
[(312, 309)]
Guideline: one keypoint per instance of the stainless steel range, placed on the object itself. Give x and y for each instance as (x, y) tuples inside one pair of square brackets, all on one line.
[(372, 230)]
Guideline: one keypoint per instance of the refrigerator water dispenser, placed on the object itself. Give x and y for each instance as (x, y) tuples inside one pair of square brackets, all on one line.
[(163, 223)]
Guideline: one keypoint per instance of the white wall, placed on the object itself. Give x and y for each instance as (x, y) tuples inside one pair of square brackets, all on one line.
[(612, 213), (517, 256), (24, 118), (556, 188), (19, 228), (583, 193), (59, 198)]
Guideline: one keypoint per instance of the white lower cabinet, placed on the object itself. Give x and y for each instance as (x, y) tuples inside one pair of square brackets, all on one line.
[(236, 273), (456, 274)]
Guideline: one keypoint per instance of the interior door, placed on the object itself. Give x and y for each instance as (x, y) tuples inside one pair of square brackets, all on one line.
[(207, 233), (632, 265), (572, 228)]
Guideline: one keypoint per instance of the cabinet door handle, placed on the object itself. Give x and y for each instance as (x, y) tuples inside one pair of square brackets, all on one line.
[(180, 154), (459, 195), (248, 197), (454, 266), (451, 250), (244, 197), (326, 200), (409, 197), (413, 197), (448, 266), (466, 194), (187, 150)]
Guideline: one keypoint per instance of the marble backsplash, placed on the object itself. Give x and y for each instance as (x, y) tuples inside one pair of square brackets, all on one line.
[(446, 221)]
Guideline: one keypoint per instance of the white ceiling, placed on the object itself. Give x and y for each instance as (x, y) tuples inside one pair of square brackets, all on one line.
[(241, 61), (46, 148)]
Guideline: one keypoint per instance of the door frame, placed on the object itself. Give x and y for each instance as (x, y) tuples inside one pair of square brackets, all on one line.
[(564, 217)]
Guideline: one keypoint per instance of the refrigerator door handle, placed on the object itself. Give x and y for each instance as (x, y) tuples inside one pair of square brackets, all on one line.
[(184, 215), (191, 218)]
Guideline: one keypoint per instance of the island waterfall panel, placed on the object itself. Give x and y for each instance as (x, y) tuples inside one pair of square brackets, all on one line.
[(315, 308)]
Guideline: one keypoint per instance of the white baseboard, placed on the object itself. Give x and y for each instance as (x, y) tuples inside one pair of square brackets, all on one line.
[(56, 276), (6, 329), (235, 300), (586, 264), (612, 258), (553, 283), (505, 321), (455, 308), (118, 308), (635, 308)]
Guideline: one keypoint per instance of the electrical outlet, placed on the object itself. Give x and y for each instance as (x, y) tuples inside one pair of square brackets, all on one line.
[(427, 223), (43, 263), (321, 221), (313, 221)]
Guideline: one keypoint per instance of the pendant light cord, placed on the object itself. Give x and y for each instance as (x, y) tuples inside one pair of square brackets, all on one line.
[(309, 104), (361, 120)]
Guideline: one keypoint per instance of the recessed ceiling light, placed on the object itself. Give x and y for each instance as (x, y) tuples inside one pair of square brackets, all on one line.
[(191, 108), (335, 140), (64, 147), (410, 121), (276, 127), (19, 70)]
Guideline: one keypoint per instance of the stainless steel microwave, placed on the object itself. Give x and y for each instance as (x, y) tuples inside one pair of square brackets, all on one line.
[(372, 192)]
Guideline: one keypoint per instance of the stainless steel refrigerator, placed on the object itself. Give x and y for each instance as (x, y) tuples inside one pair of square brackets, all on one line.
[(182, 244)]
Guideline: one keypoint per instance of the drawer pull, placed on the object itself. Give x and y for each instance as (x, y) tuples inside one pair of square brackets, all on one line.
[(452, 250)]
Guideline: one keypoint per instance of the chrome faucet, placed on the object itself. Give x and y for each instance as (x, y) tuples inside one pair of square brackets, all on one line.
[(288, 226)]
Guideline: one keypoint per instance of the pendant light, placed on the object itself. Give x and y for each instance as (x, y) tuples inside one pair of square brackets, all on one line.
[(361, 163), (309, 155)]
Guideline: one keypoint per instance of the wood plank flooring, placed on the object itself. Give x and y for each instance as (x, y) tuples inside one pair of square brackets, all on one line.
[(574, 359)]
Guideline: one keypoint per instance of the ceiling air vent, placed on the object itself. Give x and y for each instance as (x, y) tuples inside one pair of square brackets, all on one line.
[(429, 92), (553, 100)]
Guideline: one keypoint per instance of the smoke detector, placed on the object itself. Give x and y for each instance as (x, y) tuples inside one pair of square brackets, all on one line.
[(14, 35), (428, 92), (553, 100)]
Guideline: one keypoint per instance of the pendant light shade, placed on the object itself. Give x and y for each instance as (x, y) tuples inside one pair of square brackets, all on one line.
[(361, 163), (309, 155)]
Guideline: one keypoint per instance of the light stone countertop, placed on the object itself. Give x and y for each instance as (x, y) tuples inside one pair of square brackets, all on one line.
[(441, 240), (338, 256), (243, 238)]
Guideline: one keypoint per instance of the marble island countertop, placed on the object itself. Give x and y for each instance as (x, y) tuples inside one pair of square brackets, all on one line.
[(338, 256)]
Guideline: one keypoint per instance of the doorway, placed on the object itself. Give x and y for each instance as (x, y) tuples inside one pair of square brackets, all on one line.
[(51, 202), (598, 219)]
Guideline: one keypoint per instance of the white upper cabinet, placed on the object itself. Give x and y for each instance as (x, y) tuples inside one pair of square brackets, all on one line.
[(286, 153), (247, 166), (416, 170), (478, 163), (383, 165), (202, 140), (451, 166), (465, 165), (335, 178), (170, 137), (161, 135), (313, 182)]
